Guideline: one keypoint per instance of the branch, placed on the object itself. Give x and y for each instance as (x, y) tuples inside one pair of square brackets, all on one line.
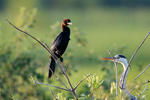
[(81, 81), (131, 90), (28, 35), (45, 46), (67, 78), (52, 54), (134, 54), (142, 72), (116, 73), (37, 82), (143, 90)]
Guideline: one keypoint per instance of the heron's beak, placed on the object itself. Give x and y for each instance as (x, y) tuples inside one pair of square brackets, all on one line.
[(69, 23), (108, 58)]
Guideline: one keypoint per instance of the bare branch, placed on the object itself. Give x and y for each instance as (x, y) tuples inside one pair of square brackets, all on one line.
[(116, 67), (27, 34), (131, 90), (67, 78), (134, 54), (53, 55), (142, 72), (37, 82), (143, 90), (81, 81)]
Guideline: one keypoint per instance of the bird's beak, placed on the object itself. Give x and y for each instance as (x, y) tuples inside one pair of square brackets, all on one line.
[(69, 23), (108, 58)]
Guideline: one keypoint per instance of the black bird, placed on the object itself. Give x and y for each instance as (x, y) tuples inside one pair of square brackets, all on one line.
[(60, 44)]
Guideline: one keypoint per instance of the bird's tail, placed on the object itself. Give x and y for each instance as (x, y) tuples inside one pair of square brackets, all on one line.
[(51, 67)]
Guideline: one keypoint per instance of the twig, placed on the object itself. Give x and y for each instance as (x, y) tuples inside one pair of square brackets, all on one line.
[(131, 90), (116, 74), (143, 90), (54, 57), (27, 34), (142, 72), (134, 54), (67, 78), (81, 81), (37, 82)]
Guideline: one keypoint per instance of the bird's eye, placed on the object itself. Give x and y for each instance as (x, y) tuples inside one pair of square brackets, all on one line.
[(117, 57)]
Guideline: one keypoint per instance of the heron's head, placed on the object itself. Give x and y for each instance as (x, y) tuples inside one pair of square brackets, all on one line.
[(117, 58)]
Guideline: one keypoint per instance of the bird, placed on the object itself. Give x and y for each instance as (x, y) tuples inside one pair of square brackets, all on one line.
[(122, 83), (60, 44)]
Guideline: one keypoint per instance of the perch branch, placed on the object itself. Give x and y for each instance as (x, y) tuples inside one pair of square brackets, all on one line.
[(54, 57), (27, 34), (116, 73)]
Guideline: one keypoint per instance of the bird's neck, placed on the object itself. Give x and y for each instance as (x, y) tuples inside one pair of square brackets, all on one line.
[(64, 28), (125, 65), (124, 75)]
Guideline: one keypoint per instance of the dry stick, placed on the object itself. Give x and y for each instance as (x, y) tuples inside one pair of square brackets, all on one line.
[(37, 82), (116, 74), (53, 55), (63, 70), (134, 54), (148, 81), (28, 34), (143, 90), (82, 81), (142, 72), (139, 76)]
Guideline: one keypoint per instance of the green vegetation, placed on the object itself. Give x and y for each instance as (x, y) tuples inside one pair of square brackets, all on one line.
[(94, 31)]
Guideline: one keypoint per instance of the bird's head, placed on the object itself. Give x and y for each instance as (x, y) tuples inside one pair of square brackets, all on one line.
[(66, 22), (117, 58)]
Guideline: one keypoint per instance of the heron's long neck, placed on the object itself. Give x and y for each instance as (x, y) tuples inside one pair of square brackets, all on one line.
[(123, 81), (124, 75)]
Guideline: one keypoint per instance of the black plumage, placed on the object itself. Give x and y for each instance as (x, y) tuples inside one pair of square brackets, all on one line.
[(60, 44)]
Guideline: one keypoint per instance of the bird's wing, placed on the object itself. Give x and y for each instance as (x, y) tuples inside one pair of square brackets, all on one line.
[(57, 42)]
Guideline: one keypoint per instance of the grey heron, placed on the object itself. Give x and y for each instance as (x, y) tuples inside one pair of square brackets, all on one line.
[(122, 83)]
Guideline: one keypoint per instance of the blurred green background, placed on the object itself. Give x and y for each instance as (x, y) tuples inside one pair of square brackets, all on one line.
[(98, 25)]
